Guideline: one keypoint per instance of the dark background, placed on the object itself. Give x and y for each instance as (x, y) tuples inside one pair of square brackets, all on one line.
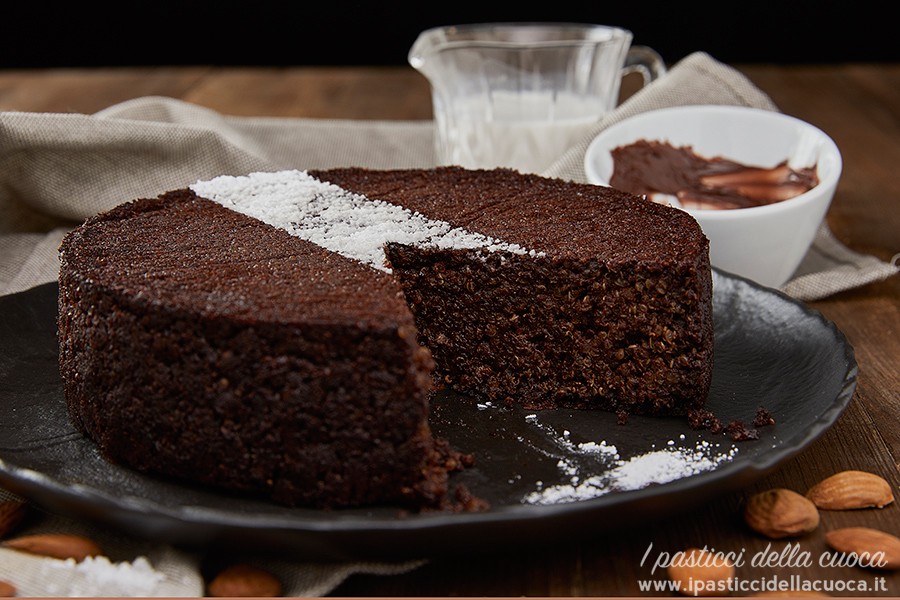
[(263, 32)]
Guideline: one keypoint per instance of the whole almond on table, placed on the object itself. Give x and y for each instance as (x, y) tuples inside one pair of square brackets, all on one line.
[(55, 545), (870, 545), (849, 490), (701, 573), (780, 513), (11, 514), (243, 581)]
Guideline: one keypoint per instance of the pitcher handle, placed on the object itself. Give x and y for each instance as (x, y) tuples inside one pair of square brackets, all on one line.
[(646, 61)]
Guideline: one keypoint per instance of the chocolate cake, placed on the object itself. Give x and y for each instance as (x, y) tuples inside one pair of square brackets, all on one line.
[(280, 333)]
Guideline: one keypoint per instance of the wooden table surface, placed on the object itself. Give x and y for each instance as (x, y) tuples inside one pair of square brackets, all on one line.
[(857, 104)]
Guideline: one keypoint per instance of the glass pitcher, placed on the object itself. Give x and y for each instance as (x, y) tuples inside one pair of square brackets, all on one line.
[(519, 95)]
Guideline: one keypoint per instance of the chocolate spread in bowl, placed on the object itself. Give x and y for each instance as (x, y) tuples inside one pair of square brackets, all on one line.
[(652, 167)]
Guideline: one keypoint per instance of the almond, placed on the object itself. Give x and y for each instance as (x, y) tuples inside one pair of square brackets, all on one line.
[(873, 548), (56, 546), (7, 590), (243, 580), (851, 490), (780, 513), (699, 572), (11, 514)]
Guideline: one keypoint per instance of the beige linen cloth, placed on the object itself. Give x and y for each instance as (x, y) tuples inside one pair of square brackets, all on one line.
[(72, 166)]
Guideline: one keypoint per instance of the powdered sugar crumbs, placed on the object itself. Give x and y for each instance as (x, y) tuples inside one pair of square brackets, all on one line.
[(595, 468), (93, 574)]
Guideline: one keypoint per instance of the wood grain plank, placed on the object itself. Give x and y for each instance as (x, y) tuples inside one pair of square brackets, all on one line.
[(90, 90), (391, 93)]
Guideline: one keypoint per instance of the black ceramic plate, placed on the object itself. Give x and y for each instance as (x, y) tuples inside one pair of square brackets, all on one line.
[(770, 351)]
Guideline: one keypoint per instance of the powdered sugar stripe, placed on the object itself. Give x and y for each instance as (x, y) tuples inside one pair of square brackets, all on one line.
[(336, 219)]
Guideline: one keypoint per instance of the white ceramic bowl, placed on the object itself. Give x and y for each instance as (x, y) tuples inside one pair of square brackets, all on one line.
[(762, 243)]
